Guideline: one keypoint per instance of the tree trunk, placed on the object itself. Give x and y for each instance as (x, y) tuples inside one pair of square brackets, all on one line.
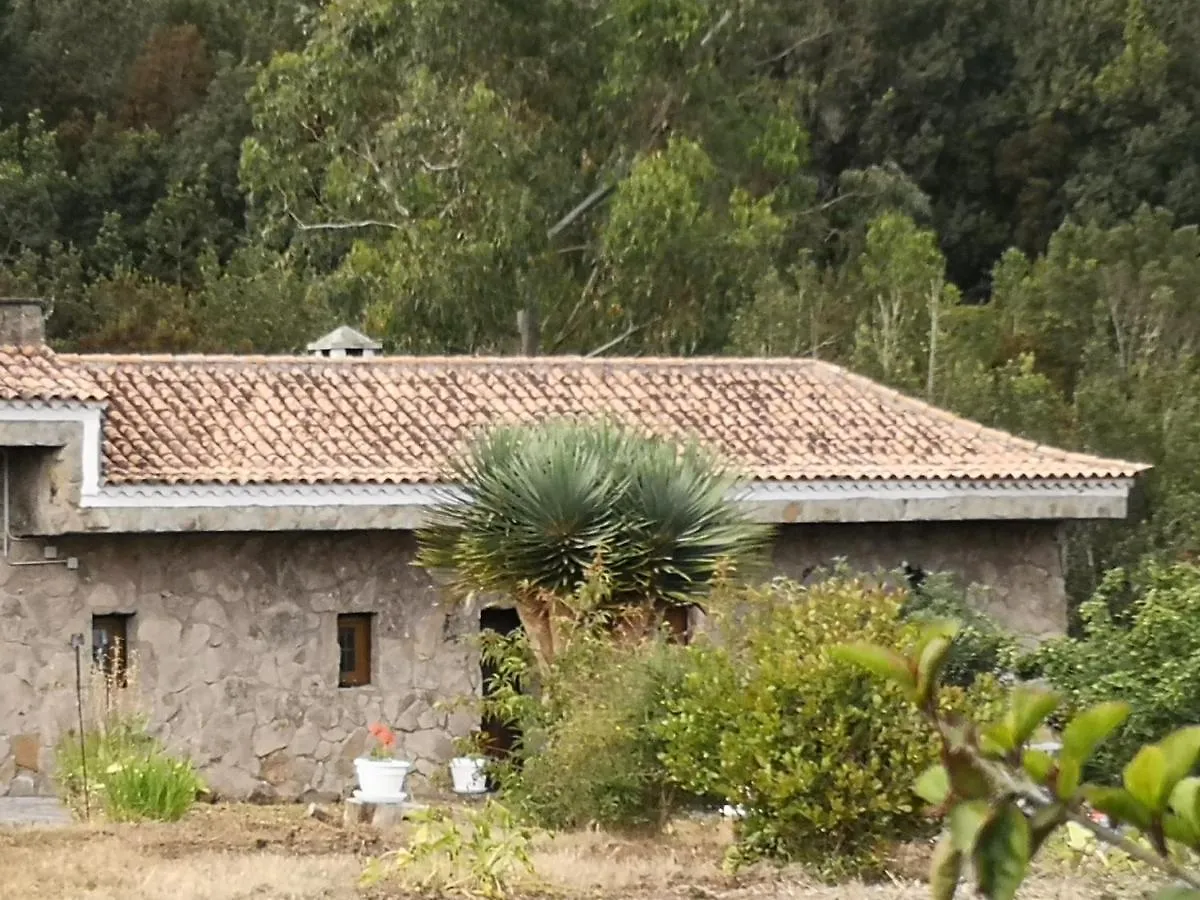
[(527, 325), (543, 617)]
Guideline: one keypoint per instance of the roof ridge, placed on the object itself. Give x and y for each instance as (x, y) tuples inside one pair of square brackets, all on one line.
[(557, 360)]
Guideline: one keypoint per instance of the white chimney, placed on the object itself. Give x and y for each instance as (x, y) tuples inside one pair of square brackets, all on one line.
[(344, 342)]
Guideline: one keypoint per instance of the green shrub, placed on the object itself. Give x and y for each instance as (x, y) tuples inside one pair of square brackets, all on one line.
[(1148, 656), (820, 757), (590, 752), (981, 647), (129, 774), (485, 853)]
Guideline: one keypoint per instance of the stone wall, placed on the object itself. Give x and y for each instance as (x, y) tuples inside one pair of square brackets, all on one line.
[(1016, 566), (235, 649), (235, 653)]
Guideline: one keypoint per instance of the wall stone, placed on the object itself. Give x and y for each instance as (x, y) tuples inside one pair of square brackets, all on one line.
[(234, 640), (1016, 567), (234, 646)]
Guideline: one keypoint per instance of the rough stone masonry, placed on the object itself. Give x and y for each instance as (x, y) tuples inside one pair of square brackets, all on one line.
[(235, 654), (235, 657)]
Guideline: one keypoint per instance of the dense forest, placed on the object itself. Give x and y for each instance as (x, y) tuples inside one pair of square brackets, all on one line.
[(988, 203)]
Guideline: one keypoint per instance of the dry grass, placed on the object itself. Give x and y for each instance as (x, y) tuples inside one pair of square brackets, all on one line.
[(275, 853)]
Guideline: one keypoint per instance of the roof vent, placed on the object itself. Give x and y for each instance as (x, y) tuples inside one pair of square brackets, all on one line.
[(343, 342)]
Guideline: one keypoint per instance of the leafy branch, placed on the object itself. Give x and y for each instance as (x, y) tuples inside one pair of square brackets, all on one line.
[(1002, 798)]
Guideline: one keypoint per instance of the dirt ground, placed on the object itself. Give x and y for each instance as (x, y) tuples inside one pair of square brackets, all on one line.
[(278, 853)]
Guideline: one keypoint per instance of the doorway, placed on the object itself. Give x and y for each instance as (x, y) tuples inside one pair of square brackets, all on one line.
[(501, 737)]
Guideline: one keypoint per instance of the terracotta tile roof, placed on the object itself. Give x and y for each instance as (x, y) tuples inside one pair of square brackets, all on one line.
[(259, 420), (36, 374)]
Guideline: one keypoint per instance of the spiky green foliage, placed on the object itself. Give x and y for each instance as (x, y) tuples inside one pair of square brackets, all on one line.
[(539, 505)]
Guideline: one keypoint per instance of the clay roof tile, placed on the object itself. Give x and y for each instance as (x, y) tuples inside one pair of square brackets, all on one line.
[(263, 420)]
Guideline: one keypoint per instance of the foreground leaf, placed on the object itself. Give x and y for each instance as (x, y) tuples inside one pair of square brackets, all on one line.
[(1185, 801), (929, 666), (1180, 750), (1028, 709), (1146, 778), (933, 785), (945, 869), (1002, 852), (1038, 764), (1080, 739), (965, 821), (1180, 831), (879, 661), (1118, 804)]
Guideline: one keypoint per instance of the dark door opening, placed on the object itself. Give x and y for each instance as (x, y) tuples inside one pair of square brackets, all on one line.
[(501, 737)]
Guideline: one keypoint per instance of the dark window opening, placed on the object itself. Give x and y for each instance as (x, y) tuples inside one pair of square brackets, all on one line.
[(110, 647), (500, 737), (354, 351), (354, 649), (915, 576), (679, 623)]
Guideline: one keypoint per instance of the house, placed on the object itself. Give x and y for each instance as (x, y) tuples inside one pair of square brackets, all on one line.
[(244, 526)]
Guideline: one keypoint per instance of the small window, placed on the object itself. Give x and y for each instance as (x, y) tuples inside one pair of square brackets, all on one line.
[(110, 647), (354, 649)]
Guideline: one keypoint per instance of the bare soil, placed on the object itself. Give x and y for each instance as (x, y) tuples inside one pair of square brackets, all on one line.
[(241, 852)]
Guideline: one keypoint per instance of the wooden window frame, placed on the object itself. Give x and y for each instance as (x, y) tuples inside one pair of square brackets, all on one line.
[(115, 664), (360, 625)]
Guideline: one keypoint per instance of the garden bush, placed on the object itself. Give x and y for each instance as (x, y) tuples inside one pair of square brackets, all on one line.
[(130, 776), (590, 751), (819, 756), (1146, 653)]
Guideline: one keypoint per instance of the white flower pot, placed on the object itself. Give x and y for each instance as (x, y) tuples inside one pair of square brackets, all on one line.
[(381, 779), (467, 774)]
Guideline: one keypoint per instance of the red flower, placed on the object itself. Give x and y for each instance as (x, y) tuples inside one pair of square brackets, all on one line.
[(383, 734)]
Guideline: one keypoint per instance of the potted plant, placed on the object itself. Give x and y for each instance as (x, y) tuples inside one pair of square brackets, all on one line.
[(380, 775), (467, 768)]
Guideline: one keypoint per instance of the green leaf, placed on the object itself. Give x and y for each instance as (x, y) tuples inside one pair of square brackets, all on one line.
[(965, 821), (879, 661), (934, 629), (1002, 852), (929, 666), (1119, 804), (1038, 764), (945, 869), (996, 739), (933, 785), (1027, 710), (1180, 749), (1146, 778), (1180, 831), (1070, 774), (1080, 739), (1185, 801)]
